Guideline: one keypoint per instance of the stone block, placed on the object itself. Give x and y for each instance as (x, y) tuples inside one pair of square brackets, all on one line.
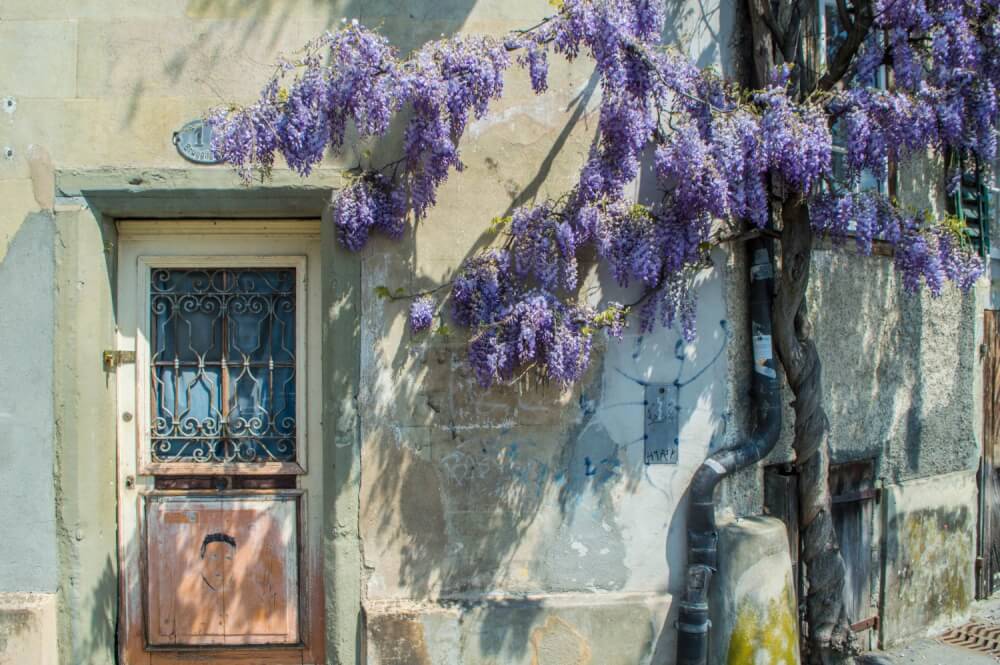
[(228, 60), (752, 606), (930, 555), (39, 58), (560, 629), (28, 629), (60, 9)]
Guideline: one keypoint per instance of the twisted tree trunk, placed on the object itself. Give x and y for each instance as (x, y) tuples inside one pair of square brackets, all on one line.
[(829, 639)]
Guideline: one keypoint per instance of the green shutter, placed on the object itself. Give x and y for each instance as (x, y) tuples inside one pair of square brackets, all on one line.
[(971, 204)]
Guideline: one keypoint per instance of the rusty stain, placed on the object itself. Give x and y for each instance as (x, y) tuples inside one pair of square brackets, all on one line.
[(556, 642)]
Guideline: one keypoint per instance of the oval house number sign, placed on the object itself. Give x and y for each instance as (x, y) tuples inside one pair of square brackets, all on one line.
[(194, 142)]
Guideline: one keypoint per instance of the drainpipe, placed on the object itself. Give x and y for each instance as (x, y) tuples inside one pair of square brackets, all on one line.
[(703, 538)]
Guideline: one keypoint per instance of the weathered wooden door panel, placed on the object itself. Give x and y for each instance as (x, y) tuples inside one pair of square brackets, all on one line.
[(262, 585), (854, 499), (185, 572), (222, 570), (231, 656)]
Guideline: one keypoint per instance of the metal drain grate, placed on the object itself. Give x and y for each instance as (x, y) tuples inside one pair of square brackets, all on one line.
[(981, 637)]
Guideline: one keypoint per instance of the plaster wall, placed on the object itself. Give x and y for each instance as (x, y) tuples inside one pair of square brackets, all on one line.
[(930, 581), (899, 369), (28, 550), (752, 603), (489, 523), (27, 624)]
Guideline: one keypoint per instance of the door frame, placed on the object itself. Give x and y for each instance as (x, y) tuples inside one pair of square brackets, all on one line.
[(195, 242)]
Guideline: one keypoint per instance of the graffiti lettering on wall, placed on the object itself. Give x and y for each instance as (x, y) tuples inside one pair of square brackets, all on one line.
[(463, 467)]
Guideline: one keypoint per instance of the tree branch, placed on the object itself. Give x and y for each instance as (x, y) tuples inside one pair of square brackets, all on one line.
[(768, 17), (864, 18), (844, 14), (790, 43), (763, 49)]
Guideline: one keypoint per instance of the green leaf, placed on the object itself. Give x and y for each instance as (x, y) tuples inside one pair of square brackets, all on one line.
[(382, 292), (498, 223)]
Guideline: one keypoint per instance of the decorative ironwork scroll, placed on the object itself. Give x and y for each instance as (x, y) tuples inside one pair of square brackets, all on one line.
[(222, 365)]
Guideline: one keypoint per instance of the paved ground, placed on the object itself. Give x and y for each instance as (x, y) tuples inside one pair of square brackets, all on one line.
[(931, 652)]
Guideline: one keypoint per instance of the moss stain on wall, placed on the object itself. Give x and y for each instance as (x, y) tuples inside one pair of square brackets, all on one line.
[(767, 636)]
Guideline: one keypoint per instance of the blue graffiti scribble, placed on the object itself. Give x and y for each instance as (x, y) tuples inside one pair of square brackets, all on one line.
[(641, 382), (587, 406), (588, 467), (725, 340), (638, 348)]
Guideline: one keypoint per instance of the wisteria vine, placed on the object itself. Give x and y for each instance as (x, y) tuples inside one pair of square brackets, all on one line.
[(715, 148)]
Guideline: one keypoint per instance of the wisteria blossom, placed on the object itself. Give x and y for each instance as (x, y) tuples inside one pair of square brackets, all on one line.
[(421, 313), (716, 151)]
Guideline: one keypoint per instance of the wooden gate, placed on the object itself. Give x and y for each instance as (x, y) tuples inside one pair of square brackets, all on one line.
[(988, 561)]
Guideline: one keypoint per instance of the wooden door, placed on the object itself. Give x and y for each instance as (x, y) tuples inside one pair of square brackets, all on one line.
[(219, 449), (854, 500), (988, 559)]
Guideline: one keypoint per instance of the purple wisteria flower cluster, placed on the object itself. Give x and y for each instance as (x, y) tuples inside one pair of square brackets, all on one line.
[(926, 254), (353, 76), (421, 313), (945, 61), (716, 149), (516, 330), (369, 204)]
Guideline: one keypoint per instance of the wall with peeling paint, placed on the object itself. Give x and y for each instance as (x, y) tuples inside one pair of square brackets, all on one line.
[(516, 526)]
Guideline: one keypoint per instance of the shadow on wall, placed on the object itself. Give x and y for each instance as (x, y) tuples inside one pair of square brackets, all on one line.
[(103, 606), (233, 41), (467, 492), (905, 397)]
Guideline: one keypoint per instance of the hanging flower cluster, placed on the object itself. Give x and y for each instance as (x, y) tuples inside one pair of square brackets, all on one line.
[(421, 313), (926, 254), (715, 148)]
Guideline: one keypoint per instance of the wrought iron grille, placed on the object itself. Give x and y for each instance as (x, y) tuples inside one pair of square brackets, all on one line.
[(222, 365)]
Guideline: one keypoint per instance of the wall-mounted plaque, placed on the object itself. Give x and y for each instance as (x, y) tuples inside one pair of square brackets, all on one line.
[(662, 424), (194, 142)]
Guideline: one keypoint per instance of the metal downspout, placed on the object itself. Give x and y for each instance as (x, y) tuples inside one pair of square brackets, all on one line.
[(693, 623)]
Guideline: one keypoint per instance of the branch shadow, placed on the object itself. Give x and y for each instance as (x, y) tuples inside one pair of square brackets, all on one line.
[(467, 495)]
